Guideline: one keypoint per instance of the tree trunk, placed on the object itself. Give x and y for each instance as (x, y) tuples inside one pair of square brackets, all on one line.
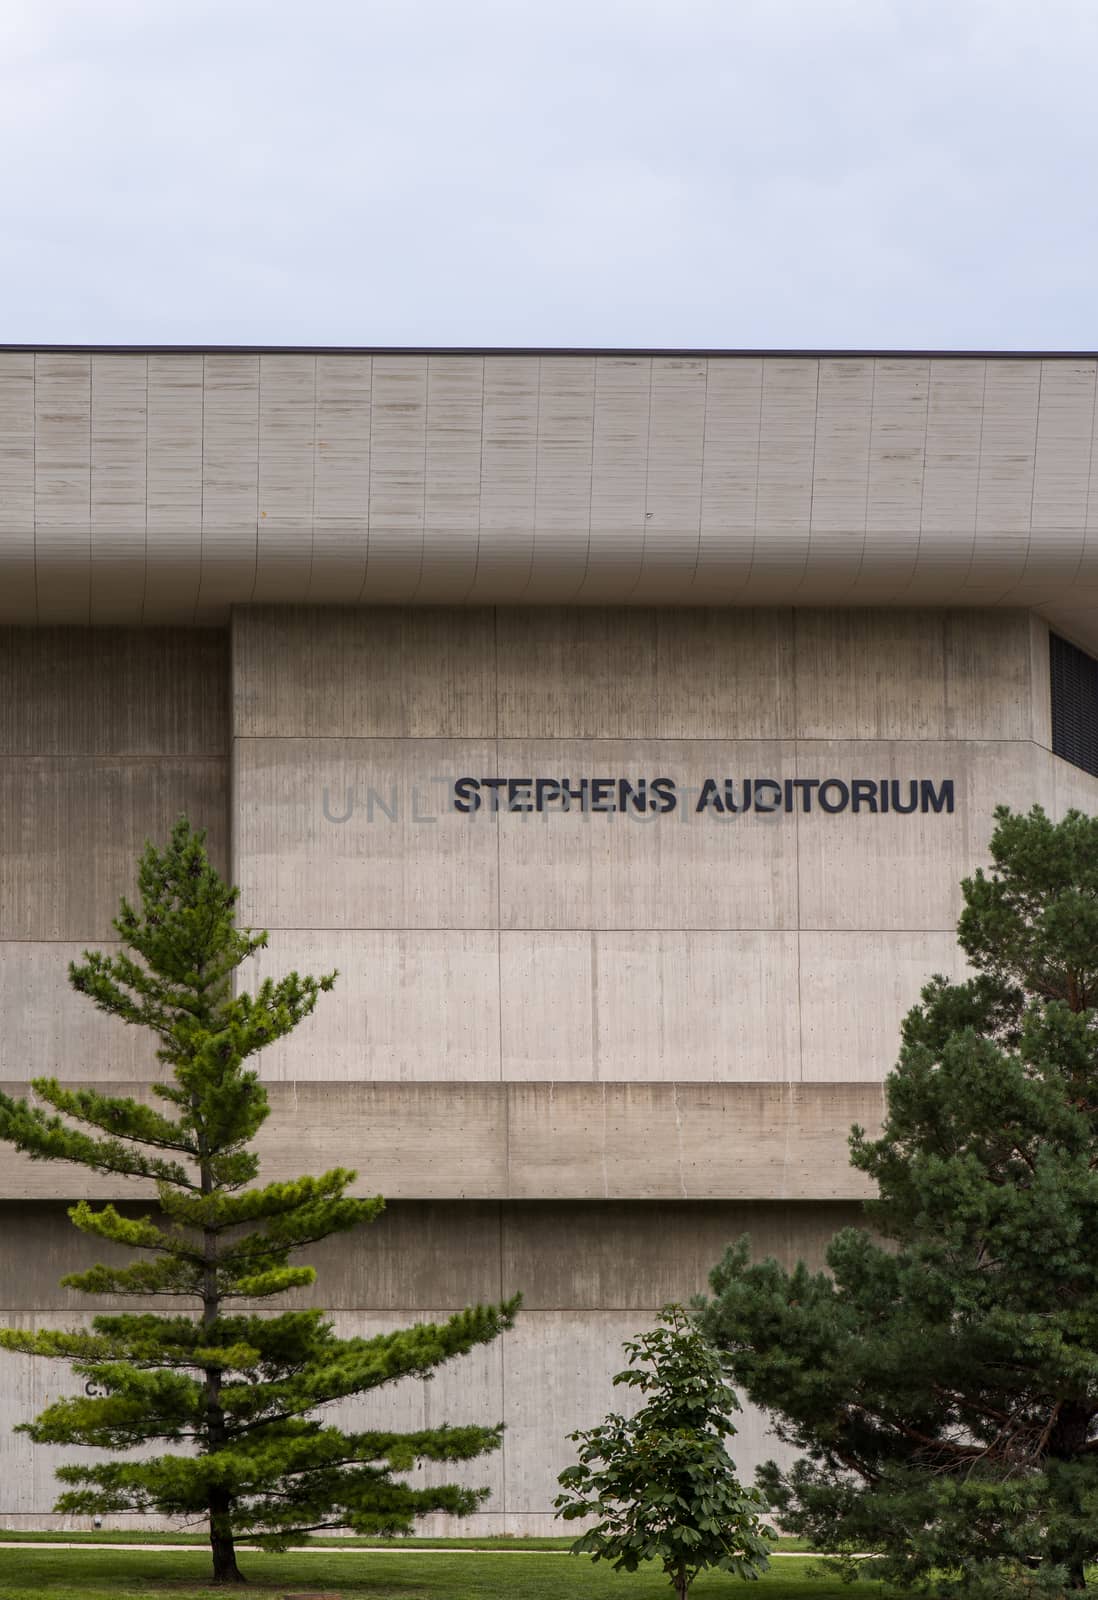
[(1076, 1576), (225, 1569), (680, 1583)]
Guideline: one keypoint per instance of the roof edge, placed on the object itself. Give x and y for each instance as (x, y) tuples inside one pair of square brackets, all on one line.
[(666, 351)]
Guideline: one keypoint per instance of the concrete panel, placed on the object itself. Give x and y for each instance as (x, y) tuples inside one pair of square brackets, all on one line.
[(27, 1482), (414, 1139), (672, 527), (73, 827), (695, 1006), (113, 691), (508, 479), (1071, 788), (398, 421), (341, 480), (787, 438), (412, 1259), (422, 1255), (952, 467), (420, 1005), (62, 487), (547, 1026), (16, 439), (685, 1141), (18, 598), (535, 1141), (338, 571), (393, 672), (283, 548), (854, 993), (342, 469), (299, 866), (1004, 504), (902, 872), (1040, 682), (623, 402), (840, 469), (287, 457), (632, 1007), (892, 674), (894, 499), (634, 1255), (730, 472), (584, 870), (230, 482), (455, 416), (562, 506), (230, 442), (1065, 429), (467, 1390), (287, 436), (119, 435), (174, 484), (49, 1029), (870, 674), (623, 674), (576, 673), (575, 1357), (989, 690)]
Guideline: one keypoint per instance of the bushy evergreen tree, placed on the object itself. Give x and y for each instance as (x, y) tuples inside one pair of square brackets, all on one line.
[(941, 1379), (230, 1401), (660, 1484)]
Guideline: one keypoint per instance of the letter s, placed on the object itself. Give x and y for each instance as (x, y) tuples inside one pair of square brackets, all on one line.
[(664, 790), (466, 795)]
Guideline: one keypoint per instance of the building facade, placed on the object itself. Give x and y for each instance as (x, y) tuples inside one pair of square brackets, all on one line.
[(619, 725)]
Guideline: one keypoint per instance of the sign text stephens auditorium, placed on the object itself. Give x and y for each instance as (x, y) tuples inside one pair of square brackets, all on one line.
[(719, 796)]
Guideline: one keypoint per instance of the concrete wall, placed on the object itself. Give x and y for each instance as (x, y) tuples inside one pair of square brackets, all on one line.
[(592, 948), (592, 1275), (106, 736), (579, 1052)]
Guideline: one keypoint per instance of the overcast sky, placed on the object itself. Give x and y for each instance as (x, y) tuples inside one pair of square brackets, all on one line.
[(716, 173)]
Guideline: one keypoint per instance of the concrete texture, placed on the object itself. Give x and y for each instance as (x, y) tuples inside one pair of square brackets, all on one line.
[(579, 948), (476, 1141), (578, 1053), (592, 1275), (153, 487)]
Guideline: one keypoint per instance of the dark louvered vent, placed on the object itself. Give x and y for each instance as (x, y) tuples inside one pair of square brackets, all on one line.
[(1074, 704)]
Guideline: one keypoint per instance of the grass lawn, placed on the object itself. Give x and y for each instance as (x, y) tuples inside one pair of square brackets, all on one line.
[(486, 1541), (30, 1574)]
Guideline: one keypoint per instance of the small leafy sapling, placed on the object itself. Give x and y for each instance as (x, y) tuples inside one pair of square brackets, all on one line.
[(660, 1484)]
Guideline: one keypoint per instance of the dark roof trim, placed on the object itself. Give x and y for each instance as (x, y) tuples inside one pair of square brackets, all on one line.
[(540, 350)]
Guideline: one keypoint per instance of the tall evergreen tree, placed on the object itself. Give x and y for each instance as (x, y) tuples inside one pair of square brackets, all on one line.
[(228, 1399), (941, 1379)]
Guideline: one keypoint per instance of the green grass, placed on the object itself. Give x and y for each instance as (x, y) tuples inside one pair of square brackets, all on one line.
[(32, 1574), (486, 1541)]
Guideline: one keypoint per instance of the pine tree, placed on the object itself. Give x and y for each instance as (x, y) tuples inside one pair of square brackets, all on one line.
[(229, 1400), (941, 1378), (661, 1483)]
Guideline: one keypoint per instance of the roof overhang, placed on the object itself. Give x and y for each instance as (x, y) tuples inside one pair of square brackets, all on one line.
[(168, 485)]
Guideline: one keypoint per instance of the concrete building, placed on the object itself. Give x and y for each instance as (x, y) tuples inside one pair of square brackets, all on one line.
[(322, 601)]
